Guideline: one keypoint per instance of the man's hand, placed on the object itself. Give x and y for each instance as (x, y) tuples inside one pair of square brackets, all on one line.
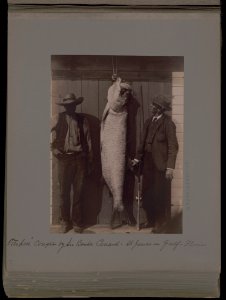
[(169, 174), (56, 152), (134, 162)]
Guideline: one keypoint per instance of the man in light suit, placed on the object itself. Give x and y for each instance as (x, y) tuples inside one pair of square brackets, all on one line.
[(157, 153)]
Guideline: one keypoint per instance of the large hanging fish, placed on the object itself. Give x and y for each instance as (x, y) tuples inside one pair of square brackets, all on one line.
[(113, 140)]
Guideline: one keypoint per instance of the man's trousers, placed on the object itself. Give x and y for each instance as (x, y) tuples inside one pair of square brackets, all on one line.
[(71, 173), (156, 192)]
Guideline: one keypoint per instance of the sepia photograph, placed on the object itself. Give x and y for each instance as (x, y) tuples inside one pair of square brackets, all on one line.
[(113, 181), (116, 144)]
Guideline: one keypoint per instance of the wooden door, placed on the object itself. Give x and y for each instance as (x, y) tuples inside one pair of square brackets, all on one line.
[(97, 200)]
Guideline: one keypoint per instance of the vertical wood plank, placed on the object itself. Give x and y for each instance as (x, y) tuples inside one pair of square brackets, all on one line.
[(167, 90), (76, 89), (90, 94), (136, 87), (141, 94), (178, 118), (154, 89), (103, 90), (59, 90), (104, 216), (145, 99)]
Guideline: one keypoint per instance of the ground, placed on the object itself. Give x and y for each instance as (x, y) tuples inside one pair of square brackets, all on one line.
[(106, 229)]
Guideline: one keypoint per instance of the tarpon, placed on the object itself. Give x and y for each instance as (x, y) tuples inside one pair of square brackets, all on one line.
[(113, 140)]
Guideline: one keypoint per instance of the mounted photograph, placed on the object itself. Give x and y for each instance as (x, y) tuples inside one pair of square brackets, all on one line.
[(116, 144)]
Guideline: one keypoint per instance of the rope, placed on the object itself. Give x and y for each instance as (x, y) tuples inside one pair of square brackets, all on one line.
[(114, 68)]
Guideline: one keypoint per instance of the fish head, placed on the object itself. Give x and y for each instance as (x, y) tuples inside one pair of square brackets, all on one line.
[(118, 95)]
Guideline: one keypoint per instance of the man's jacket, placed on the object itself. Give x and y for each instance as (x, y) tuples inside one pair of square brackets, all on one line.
[(61, 129), (160, 139)]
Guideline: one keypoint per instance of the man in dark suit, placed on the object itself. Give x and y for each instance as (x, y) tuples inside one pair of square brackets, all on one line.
[(157, 153), (72, 147)]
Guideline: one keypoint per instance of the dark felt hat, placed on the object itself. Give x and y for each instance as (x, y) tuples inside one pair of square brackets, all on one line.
[(162, 101), (69, 99)]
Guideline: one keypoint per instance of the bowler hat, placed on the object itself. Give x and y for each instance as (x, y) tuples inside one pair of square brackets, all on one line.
[(162, 101), (69, 99)]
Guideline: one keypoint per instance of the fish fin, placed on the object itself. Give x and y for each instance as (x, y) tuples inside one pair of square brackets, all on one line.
[(105, 113)]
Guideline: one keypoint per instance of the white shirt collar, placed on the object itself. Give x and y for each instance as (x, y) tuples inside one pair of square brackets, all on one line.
[(157, 117)]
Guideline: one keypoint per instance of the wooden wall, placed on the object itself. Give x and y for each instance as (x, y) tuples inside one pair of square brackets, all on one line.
[(178, 118), (94, 91)]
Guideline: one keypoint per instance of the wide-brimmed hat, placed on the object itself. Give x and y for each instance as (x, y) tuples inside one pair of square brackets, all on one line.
[(162, 101), (69, 99)]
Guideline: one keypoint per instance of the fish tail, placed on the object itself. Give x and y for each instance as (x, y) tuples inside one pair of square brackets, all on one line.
[(118, 205)]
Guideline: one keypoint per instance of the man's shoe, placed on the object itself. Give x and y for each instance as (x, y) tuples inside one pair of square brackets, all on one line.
[(160, 227), (65, 227), (146, 225), (77, 229), (128, 218), (131, 221)]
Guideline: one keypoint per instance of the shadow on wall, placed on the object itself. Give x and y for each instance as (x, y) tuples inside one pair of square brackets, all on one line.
[(93, 186), (129, 182)]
